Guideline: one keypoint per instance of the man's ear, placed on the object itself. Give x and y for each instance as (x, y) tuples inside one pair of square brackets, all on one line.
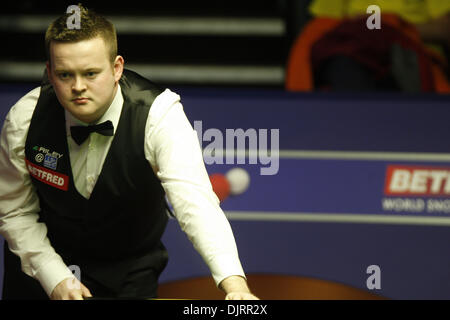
[(118, 67), (49, 72)]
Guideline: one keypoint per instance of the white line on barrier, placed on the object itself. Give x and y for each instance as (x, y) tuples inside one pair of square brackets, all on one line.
[(365, 155), (351, 155), (336, 218)]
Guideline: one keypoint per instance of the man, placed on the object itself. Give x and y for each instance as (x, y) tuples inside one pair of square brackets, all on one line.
[(85, 163)]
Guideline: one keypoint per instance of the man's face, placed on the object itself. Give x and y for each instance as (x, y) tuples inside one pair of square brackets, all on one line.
[(83, 77)]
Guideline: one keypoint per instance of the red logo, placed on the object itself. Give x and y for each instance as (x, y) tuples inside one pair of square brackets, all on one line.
[(403, 180), (50, 177)]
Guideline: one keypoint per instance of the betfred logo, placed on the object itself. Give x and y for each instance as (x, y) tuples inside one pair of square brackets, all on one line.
[(417, 181), (50, 177)]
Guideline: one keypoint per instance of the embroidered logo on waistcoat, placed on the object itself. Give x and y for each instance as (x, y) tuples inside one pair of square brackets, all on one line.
[(50, 158), (50, 177), (50, 161)]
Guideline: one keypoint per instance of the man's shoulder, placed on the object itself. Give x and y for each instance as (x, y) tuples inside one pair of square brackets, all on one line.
[(132, 79), (21, 112), (163, 103)]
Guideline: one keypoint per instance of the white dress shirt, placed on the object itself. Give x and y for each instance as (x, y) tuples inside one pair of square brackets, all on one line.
[(171, 146)]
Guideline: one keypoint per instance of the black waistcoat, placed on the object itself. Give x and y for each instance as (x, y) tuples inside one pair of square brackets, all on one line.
[(125, 217)]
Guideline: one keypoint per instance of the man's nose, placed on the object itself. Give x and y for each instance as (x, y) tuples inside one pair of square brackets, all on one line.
[(78, 84)]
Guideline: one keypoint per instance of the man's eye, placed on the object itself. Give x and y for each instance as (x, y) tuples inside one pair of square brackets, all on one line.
[(91, 74), (64, 75)]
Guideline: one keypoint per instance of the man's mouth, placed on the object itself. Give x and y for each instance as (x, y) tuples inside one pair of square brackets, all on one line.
[(80, 100)]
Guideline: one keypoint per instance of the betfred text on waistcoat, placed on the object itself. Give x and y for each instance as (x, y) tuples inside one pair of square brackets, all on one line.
[(231, 147)]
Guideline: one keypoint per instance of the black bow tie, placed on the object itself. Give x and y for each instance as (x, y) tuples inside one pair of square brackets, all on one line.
[(81, 133)]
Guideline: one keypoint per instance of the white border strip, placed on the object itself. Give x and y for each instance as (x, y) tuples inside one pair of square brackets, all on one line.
[(214, 74), (192, 74), (199, 26), (163, 25), (336, 218)]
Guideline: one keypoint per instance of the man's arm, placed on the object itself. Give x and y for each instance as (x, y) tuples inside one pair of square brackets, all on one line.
[(236, 288), (70, 289), (19, 204), (173, 148)]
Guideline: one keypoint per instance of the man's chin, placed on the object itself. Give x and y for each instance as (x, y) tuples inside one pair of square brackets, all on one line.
[(86, 117)]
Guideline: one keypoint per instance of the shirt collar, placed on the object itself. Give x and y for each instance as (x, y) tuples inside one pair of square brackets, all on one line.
[(112, 113)]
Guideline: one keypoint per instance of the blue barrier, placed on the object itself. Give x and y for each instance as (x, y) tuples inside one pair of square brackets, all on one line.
[(333, 208)]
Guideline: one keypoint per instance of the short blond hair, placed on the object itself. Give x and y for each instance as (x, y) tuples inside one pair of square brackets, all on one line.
[(92, 25)]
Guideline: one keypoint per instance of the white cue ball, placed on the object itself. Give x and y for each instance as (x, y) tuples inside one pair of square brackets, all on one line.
[(239, 180)]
